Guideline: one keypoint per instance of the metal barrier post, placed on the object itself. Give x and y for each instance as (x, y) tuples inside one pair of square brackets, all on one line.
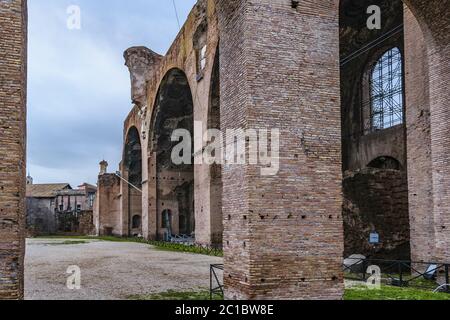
[(401, 273), (447, 282), (210, 282), (364, 270)]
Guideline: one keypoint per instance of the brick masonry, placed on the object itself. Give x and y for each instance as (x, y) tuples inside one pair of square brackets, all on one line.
[(434, 72), (265, 83), (13, 53), (149, 69), (433, 17), (106, 214), (283, 235), (419, 142)]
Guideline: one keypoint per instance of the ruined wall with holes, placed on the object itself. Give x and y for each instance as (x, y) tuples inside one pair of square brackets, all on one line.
[(193, 53), (376, 200), (13, 57)]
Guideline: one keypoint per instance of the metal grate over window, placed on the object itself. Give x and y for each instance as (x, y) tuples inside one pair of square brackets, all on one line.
[(386, 92)]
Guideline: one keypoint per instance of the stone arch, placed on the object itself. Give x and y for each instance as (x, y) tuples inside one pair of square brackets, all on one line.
[(385, 163), (133, 174), (174, 182)]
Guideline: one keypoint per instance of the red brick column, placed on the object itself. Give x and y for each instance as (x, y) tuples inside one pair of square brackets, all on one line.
[(13, 22), (283, 234)]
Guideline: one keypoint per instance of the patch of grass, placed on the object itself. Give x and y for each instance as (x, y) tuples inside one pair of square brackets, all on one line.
[(411, 281), (176, 295), (361, 293), (393, 293)]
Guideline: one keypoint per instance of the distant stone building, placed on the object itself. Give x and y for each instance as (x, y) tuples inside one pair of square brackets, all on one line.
[(57, 208)]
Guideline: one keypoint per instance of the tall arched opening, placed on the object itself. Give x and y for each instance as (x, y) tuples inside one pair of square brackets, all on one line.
[(373, 130), (174, 181), (133, 174)]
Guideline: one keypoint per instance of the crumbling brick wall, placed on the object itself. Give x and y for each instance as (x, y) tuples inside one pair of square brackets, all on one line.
[(13, 50), (376, 200)]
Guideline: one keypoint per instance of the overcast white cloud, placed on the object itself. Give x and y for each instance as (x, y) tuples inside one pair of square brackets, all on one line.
[(78, 86)]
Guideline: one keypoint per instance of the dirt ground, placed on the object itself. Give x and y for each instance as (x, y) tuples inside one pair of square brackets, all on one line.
[(110, 270)]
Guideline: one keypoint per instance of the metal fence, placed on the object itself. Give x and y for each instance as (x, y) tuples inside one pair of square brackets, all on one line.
[(192, 248), (430, 276), (216, 280), (421, 275)]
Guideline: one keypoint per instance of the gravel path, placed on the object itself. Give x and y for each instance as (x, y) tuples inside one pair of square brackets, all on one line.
[(110, 270)]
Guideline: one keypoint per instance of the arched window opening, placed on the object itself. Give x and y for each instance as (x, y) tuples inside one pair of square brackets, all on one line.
[(386, 91), (136, 222)]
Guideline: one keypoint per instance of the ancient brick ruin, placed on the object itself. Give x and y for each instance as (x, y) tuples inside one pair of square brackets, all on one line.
[(13, 57), (345, 170)]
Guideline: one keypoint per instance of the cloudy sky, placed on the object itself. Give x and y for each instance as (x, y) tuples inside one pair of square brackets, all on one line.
[(78, 86)]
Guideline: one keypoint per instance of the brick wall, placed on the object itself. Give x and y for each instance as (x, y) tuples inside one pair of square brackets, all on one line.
[(429, 204), (283, 234), (419, 142), (433, 17), (13, 51), (376, 200)]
